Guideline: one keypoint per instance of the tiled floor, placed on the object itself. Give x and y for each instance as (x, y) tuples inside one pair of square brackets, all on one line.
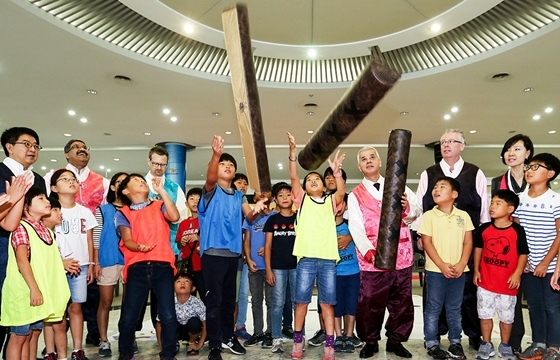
[(148, 348)]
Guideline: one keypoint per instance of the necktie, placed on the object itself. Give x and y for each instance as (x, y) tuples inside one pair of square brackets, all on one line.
[(376, 185)]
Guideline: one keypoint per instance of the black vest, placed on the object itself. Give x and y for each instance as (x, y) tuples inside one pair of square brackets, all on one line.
[(469, 200)]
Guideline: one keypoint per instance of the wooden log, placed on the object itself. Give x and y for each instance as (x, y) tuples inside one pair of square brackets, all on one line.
[(391, 208), (246, 96), (370, 87)]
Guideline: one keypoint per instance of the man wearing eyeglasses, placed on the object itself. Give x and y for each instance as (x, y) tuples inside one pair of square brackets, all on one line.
[(473, 199), (21, 146)]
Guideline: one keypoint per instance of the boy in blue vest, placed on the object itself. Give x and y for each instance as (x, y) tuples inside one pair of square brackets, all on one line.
[(220, 214)]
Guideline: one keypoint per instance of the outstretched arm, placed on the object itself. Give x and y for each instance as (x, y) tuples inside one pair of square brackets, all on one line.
[(212, 173), (294, 177)]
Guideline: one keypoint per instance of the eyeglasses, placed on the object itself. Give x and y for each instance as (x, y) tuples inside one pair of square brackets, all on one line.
[(68, 180), (28, 145), (79, 147), (158, 164), (534, 167), (449, 142)]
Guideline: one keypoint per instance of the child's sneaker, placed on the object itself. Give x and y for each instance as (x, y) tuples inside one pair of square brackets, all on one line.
[(533, 352), (267, 341), (254, 340), (79, 355), (297, 351), (328, 354), (105, 349), (506, 352), (437, 353), (355, 340), (234, 346), (318, 339), (455, 351), (339, 344), (288, 332), (485, 351), (349, 346), (551, 354), (242, 334), (277, 346), (50, 356)]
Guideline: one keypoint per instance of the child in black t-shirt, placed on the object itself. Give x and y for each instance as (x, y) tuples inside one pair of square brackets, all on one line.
[(279, 262)]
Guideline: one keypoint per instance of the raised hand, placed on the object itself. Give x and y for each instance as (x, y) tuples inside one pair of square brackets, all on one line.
[(336, 163), (218, 145), (292, 143)]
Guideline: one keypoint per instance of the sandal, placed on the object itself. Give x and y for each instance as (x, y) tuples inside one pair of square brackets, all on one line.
[(192, 352)]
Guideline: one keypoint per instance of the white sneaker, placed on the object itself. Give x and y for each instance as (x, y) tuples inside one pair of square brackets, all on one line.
[(277, 346)]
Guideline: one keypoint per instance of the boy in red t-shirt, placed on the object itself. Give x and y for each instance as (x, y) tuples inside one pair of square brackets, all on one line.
[(500, 256), (188, 239)]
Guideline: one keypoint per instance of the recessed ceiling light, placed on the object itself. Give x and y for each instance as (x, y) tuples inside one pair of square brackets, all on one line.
[(43, 168), (404, 113), (228, 132), (92, 92), (188, 28), (102, 167), (552, 132), (68, 135), (117, 159), (216, 114), (536, 117), (472, 131), (310, 113), (435, 27), (147, 133), (174, 118), (108, 170), (527, 89), (454, 109), (53, 160), (201, 174), (166, 111), (555, 183), (122, 78), (71, 112), (548, 110), (84, 120), (447, 116), (312, 53), (280, 165), (310, 131)]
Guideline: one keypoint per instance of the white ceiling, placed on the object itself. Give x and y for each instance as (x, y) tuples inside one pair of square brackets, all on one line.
[(46, 70)]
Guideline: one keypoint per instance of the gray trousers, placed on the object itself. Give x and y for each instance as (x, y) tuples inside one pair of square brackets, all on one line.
[(259, 288)]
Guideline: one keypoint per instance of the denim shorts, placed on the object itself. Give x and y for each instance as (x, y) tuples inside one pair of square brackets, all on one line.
[(309, 269), (78, 285), (24, 330)]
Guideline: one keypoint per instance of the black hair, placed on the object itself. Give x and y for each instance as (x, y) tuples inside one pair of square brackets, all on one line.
[(11, 135), (55, 204), (512, 140), (455, 186), (184, 274), (311, 173), (228, 157), (122, 197), (280, 186), (112, 195), (329, 171), (31, 194), (69, 144), (194, 191), (56, 175), (508, 196), (550, 161)]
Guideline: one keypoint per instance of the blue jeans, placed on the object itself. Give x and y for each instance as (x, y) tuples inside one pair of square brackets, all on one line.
[(544, 309), (143, 277), (283, 278), (440, 292), (243, 301)]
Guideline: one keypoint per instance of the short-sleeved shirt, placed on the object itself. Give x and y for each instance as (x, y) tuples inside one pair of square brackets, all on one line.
[(348, 263), (76, 222), (20, 236), (538, 217), (501, 248), (257, 239), (448, 234), (193, 307), (283, 238)]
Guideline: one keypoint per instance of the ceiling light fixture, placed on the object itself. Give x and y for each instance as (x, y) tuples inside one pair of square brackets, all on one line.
[(536, 117), (84, 120), (552, 132), (68, 135), (108, 170), (53, 160), (102, 167), (228, 132), (447, 116), (472, 131), (280, 165), (312, 53), (147, 133), (216, 114), (454, 109), (548, 110), (122, 78), (435, 27), (500, 76), (43, 168), (528, 89), (117, 159), (404, 113), (189, 29), (92, 92), (166, 111), (174, 118), (310, 113), (310, 131), (71, 112)]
